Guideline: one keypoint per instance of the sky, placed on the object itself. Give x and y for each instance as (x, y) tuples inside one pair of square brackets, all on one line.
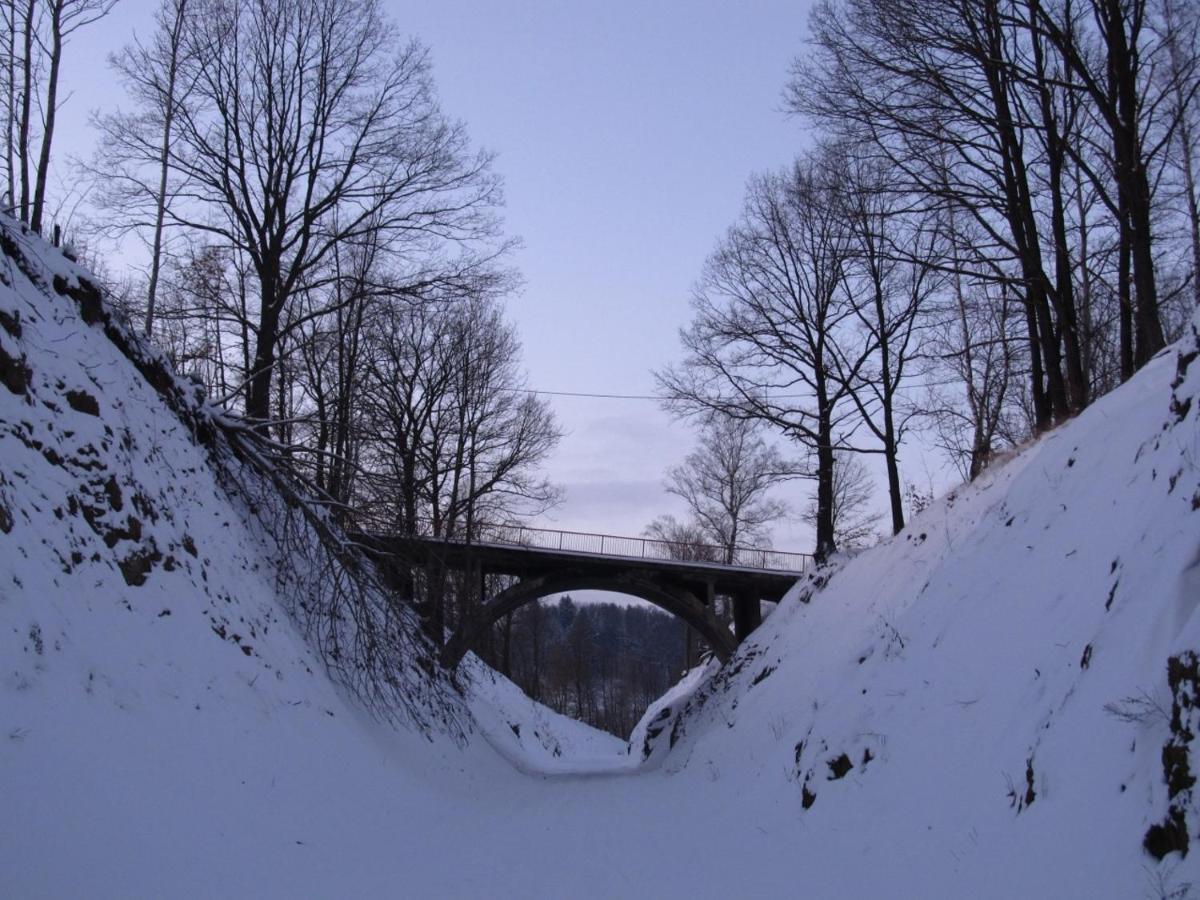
[(625, 133)]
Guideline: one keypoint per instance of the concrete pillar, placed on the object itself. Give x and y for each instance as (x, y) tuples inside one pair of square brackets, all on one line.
[(747, 614), (481, 582)]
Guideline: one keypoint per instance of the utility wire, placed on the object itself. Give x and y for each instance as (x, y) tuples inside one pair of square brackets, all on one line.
[(654, 397), (585, 394)]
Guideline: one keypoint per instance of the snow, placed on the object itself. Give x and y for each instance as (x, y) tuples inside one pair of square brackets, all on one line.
[(143, 754), (534, 738), (651, 740)]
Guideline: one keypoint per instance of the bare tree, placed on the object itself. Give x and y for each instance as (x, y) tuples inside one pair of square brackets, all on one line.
[(1116, 78), (136, 147), (11, 91), (686, 541), (976, 346), (332, 338), (503, 430), (64, 17), (204, 321), (945, 96), (1021, 116), (301, 129), (853, 519), (38, 33), (1180, 26), (451, 437), (725, 482), (766, 314), (891, 277), (25, 89)]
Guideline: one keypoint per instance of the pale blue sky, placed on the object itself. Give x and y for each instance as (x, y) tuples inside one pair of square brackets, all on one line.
[(625, 133)]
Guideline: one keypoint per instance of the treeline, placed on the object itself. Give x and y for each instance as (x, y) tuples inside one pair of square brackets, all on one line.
[(601, 663), (997, 224)]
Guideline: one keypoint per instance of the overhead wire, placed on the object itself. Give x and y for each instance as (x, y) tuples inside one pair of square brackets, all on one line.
[(587, 394), (599, 396)]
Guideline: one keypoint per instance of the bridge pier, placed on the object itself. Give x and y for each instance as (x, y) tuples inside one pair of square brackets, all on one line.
[(747, 614)]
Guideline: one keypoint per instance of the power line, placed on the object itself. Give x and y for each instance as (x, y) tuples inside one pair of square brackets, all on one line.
[(594, 396), (589, 395)]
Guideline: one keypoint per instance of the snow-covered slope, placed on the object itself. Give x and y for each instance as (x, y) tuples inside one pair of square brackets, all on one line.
[(122, 490), (534, 738), (982, 707), (153, 683)]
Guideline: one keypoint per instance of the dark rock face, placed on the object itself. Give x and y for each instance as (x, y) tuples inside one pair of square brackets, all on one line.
[(1171, 835)]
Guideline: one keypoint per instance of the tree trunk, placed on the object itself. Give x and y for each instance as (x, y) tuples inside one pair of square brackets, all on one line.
[(1037, 384), (1062, 294), (282, 425), (10, 107), (43, 169), (893, 474), (1133, 181), (888, 391), (258, 396), (826, 542), (1087, 325), (1064, 299), (1023, 226), (1124, 300), (1189, 180), (26, 111), (164, 157), (1149, 334), (1183, 130)]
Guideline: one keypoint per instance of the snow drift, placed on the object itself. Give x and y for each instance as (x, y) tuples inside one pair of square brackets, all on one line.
[(1000, 702)]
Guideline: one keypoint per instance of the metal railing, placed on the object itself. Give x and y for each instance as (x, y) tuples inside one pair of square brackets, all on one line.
[(630, 547)]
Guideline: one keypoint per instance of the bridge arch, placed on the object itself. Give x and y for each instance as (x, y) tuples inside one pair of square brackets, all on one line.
[(672, 598)]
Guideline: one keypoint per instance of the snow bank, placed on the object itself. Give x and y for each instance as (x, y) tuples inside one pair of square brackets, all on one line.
[(984, 701), (160, 696), (655, 733), (121, 478), (144, 624), (985, 706), (534, 738)]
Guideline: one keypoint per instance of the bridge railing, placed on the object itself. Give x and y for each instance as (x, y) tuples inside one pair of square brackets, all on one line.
[(635, 547)]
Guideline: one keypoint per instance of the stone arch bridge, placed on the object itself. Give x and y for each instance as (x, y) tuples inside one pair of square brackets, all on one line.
[(545, 563)]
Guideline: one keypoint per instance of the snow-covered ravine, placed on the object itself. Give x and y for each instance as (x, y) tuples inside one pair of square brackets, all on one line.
[(978, 708)]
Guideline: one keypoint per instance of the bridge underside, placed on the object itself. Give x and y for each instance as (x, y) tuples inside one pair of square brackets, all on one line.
[(673, 598), (686, 590)]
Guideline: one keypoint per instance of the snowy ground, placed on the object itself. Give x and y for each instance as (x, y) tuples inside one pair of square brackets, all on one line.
[(176, 737)]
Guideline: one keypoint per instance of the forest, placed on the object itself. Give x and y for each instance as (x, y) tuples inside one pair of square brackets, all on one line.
[(600, 663)]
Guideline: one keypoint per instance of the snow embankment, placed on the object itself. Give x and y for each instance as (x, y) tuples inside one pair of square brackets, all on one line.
[(1000, 702), (1002, 694), (164, 718), (535, 739)]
